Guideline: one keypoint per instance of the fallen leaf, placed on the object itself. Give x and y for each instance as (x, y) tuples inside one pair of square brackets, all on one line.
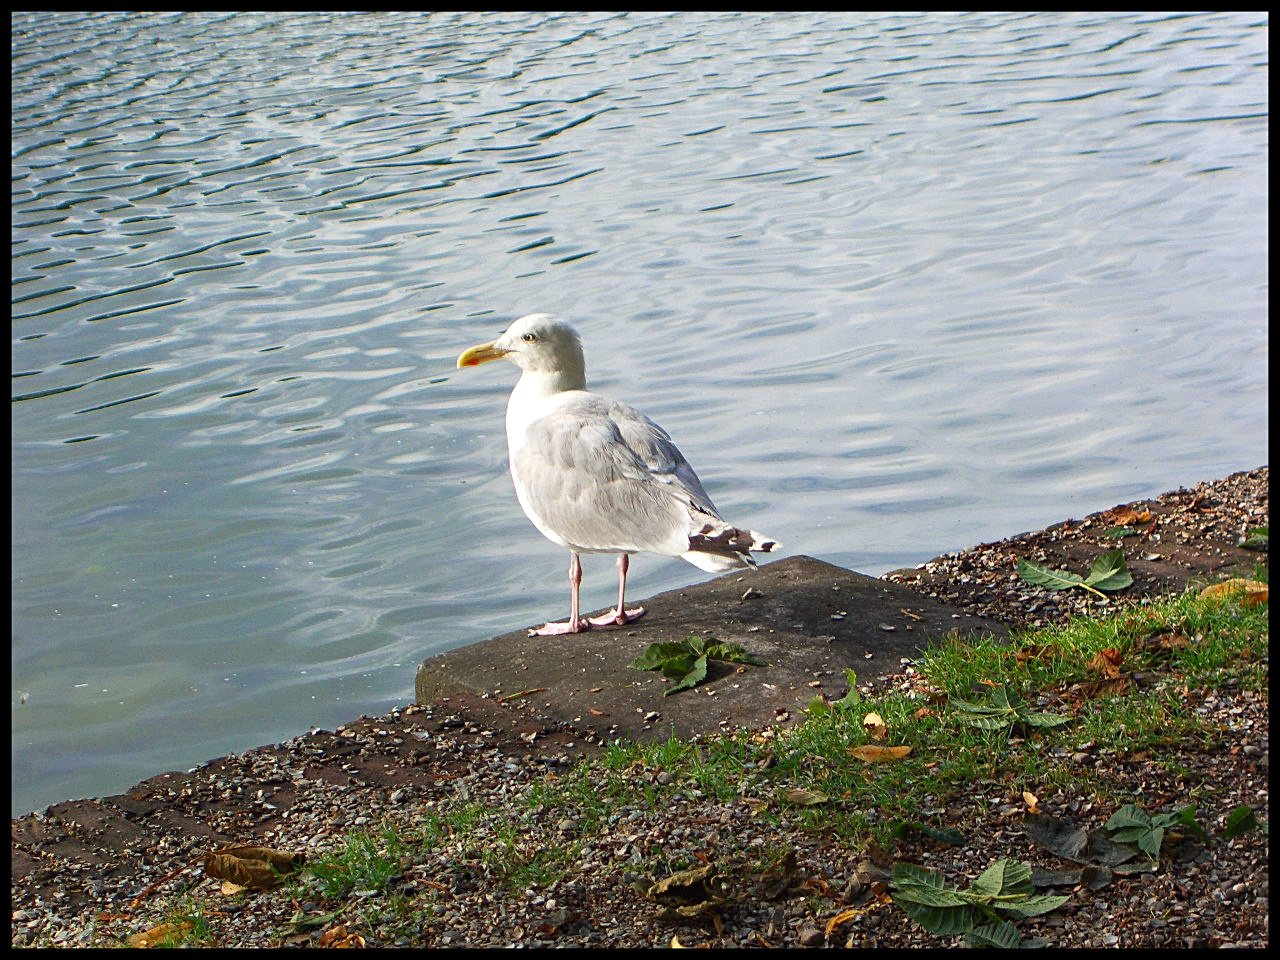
[(872, 754), (689, 893), (1107, 662), (1253, 590), (166, 933), (1097, 689), (1126, 515), (1037, 651), (258, 867), (338, 937), (1168, 641), (846, 915), (875, 726), (803, 797)]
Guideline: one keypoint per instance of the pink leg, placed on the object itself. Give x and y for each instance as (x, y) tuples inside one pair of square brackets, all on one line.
[(575, 623), (616, 618)]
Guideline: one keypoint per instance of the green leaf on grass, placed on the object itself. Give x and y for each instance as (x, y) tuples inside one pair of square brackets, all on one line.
[(1005, 710), (853, 697)]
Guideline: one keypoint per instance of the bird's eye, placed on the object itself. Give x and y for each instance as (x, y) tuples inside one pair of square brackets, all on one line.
[(529, 338)]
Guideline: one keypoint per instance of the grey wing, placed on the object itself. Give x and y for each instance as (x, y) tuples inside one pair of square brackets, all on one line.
[(605, 477)]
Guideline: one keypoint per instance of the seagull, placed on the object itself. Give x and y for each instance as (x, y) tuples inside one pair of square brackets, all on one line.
[(598, 476)]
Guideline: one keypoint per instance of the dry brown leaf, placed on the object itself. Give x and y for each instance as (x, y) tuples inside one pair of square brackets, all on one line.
[(163, 934), (1032, 802), (872, 754), (1123, 516), (1107, 662), (875, 726), (1038, 651), (689, 893), (258, 867), (338, 937), (1169, 641), (843, 916), (1096, 689)]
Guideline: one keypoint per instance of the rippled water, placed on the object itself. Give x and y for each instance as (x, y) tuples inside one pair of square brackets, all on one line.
[(896, 284)]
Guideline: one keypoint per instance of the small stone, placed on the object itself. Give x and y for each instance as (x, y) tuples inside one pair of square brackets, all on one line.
[(811, 937)]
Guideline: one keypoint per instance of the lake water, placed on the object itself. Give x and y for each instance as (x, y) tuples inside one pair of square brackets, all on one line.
[(895, 284)]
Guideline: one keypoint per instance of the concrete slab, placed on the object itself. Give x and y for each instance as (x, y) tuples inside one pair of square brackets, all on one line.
[(807, 619)]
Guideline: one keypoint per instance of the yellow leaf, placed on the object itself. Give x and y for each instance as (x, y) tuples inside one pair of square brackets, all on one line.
[(875, 726), (165, 933), (1031, 801), (846, 915), (1253, 590), (870, 754)]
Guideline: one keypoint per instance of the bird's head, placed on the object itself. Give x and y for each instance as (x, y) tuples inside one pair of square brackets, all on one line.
[(538, 343)]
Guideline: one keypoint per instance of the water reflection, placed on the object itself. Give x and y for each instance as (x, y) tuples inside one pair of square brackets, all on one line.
[(897, 284)]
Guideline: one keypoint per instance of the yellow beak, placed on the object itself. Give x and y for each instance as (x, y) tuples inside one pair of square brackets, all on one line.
[(482, 353)]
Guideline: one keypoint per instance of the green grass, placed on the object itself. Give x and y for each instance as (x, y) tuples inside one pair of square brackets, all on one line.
[(1172, 652), (1164, 651), (364, 861)]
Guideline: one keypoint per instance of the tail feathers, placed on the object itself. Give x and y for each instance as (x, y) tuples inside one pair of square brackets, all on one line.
[(718, 547)]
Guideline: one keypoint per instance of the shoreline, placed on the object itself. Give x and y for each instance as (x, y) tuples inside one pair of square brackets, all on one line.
[(76, 860)]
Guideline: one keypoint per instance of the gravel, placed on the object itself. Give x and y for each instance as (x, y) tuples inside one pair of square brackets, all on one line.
[(98, 872)]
